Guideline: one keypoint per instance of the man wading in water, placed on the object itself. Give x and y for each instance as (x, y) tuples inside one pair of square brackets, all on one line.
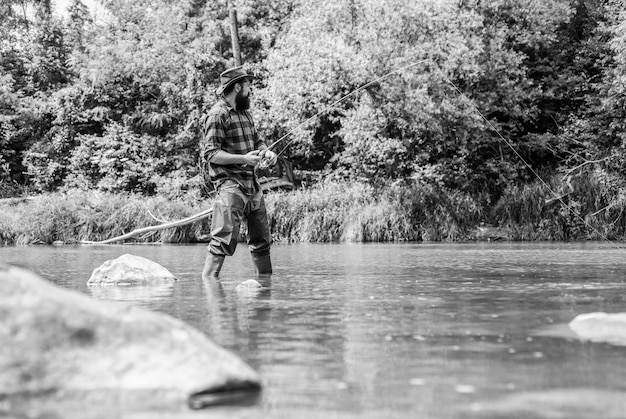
[(232, 148)]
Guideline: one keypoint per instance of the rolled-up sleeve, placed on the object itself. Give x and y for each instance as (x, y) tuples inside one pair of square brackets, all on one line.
[(213, 135)]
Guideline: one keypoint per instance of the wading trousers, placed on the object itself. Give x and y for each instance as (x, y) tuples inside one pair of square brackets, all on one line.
[(230, 208)]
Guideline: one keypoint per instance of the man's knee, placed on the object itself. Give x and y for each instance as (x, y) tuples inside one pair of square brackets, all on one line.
[(221, 247), (225, 225)]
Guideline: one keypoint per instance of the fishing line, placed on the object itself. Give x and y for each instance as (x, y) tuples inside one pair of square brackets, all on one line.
[(534, 172), (338, 101), (475, 107)]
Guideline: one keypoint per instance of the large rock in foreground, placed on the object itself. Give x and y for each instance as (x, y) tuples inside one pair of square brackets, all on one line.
[(601, 327), (55, 340), (130, 270)]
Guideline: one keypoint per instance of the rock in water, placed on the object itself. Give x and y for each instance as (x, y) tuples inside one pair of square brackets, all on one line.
[(130, 270), (59, 341), (570, 403), (601, 327), (249, 288), (249, 284)]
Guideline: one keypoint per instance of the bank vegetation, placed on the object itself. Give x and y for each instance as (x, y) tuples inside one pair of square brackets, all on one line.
[(588, 208)]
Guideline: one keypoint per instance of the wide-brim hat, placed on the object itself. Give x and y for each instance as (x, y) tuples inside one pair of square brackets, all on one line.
[(231, 76)]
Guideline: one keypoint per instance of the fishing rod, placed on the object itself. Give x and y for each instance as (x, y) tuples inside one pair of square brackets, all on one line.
[(474, 106), (338, 101), (533, 171)]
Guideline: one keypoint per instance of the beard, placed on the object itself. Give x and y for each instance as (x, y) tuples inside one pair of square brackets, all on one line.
[(242, 102)]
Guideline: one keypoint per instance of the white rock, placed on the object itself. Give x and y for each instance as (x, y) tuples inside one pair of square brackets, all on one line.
[(250, 283), (249, 288), (130, 270), (601, 327)]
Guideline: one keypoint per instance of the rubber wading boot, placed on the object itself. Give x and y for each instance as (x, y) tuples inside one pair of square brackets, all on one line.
[(263, 264), (212, 265)]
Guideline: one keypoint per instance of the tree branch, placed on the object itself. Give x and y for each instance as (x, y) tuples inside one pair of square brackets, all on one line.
[(196, 217), (586, 162)]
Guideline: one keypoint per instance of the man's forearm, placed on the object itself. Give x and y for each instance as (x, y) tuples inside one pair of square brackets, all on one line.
[(224, 158)]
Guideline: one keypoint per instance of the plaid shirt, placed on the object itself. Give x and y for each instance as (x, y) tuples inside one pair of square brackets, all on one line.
[(233, 131)]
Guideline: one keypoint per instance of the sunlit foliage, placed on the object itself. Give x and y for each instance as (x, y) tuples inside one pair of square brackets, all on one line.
[(467, 96)]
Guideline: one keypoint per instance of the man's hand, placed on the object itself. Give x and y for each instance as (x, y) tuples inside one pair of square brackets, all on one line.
[(252, 158)]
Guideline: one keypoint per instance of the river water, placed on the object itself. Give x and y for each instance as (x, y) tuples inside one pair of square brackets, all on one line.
[(391, 330)]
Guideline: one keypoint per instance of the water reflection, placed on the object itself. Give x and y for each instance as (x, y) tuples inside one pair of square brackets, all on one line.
[(138, 294), (215, 300), (231, 304)]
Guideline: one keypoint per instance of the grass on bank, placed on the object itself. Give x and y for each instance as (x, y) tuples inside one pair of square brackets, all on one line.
[(590, 207), (86, 215), (356, 212)]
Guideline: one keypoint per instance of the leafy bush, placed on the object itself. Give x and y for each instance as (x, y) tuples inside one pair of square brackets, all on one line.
[(120, 161)]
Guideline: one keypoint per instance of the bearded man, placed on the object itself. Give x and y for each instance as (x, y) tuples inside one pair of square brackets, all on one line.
[(231, 147)]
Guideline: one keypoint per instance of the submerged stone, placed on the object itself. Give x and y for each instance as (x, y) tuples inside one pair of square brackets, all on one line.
[(130, 270), (56, 341), (601, 327), (249, 288), (577, 403), (250, 284)]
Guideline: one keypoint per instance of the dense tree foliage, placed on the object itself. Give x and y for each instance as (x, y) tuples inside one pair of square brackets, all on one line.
[(461, 94)]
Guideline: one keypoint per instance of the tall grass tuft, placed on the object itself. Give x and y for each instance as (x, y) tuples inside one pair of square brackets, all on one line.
[(588, 206), (441, 214), (338, 211), (520, 211), (317, 214), (603, 198)]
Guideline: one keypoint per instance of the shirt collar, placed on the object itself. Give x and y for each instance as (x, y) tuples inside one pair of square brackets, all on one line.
[(226, 104)]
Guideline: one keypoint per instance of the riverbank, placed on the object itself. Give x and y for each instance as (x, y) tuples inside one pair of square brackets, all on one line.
[(76, 215), (332, 212)]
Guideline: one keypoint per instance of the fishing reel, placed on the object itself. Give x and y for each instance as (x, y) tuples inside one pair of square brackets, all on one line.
[(268, 158)]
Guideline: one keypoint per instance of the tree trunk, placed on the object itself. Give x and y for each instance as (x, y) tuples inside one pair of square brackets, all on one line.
[(234, 37)]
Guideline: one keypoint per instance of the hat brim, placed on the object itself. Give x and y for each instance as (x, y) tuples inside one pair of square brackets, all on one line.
[(221, 89)]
